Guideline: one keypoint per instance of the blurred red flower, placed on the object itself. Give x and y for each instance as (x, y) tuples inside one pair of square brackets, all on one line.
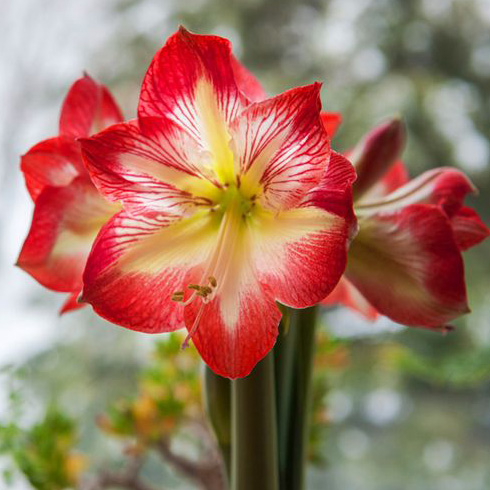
[(406, 260), (68, 209)]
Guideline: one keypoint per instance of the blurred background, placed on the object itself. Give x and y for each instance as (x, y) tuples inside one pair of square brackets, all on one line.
[(395, 408)]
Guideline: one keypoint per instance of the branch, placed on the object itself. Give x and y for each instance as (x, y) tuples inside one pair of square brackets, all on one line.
[(128, 478), (208, 475), (109, 480)]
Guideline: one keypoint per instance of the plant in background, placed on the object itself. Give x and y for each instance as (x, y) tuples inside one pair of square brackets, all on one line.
[(233, 219), (45, 452), (166, 408), (331, 358), (165, 411), (169, 393)]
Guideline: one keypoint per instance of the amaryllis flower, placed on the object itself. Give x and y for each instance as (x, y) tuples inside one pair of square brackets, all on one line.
[(68, 209), (406, 260), (229, 205)]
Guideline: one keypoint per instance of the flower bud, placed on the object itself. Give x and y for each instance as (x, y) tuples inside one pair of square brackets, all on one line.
[(375, 153)]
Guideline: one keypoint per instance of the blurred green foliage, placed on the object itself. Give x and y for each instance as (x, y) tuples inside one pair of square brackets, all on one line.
[(168, 394), (461, 370), (44, 452), (167, 399)]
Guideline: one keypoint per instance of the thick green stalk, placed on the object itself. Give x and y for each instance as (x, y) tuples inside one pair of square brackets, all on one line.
[(217, 403), (284, 359), (294, 361), (254, 430)]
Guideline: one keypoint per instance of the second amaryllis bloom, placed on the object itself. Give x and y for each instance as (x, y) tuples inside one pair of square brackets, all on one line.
[(406, 260), (230, 203), (68, 209)]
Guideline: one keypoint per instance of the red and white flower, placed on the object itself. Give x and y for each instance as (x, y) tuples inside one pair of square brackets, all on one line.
[(230, 203), (68, 209), (406, 260)]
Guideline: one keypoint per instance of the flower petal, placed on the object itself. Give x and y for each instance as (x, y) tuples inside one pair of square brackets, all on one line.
[(444, 186), (468, 228), (71, 303), (396, 177), (408, 266), (64, 225), (191, 81), (138, 262), (281, 147), (247, 83), (237, 325), (52, 162), (153, 164), (331, 122), (334, 192), (301, 253), (186, 59), (347, 294), (232, 349), (88, 108)]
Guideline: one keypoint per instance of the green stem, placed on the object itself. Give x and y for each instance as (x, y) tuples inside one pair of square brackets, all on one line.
[(217, 403), (284, 358), (294, 361), (254, 430)]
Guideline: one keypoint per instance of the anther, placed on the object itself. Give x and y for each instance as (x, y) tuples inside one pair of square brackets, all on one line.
[(178, 296), (212, 280), (196, 287)]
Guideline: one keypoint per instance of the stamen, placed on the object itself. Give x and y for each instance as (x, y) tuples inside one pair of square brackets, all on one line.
[(192, 331), (189, 300)]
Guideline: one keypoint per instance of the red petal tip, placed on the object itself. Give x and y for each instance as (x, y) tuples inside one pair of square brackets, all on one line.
[(25, 264)]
